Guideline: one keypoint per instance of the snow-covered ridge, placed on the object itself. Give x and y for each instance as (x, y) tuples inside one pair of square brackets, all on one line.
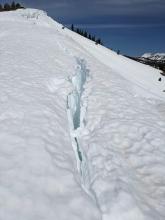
[(34, 16), (154, 56)]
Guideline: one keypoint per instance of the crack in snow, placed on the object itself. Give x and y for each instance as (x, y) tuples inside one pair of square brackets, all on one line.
[(76, 109), (74, 104)]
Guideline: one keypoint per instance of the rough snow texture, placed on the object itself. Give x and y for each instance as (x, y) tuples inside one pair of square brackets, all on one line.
[(122, 108), (38, 172)]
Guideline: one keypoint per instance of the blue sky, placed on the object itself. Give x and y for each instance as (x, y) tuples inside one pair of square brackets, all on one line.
[(133, 26)]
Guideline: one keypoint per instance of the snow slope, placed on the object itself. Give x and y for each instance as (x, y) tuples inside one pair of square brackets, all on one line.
[(81, 128)]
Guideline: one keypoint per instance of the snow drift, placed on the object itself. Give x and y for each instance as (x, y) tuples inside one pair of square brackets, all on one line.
[(81, 128)]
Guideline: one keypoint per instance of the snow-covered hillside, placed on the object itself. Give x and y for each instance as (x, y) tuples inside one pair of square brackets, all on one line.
[(81, 128)]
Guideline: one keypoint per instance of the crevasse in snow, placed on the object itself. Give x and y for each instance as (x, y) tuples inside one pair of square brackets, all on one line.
[(75, 111), (74, 98)]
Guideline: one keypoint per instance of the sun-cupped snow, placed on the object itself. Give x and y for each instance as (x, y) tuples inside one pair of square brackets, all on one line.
[(81, 128), (38, 168), (140, 75)]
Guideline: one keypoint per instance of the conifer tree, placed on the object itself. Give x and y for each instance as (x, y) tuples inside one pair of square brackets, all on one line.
[(81, 32), (72, 27), (78, 31), (98, 41), (1, 8), (7, 7), (85, 34), (93, 38), (18, 6), (118, 52), (13, 6)]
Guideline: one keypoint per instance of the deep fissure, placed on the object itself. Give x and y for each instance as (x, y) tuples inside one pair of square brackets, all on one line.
[(76, 110), (76, 122)]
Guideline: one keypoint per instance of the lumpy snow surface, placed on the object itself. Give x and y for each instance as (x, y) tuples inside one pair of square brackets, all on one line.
[(82, 129)]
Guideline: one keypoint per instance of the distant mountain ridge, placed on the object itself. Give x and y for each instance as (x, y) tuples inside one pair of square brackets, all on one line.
[(154, 56), (156, 60)]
